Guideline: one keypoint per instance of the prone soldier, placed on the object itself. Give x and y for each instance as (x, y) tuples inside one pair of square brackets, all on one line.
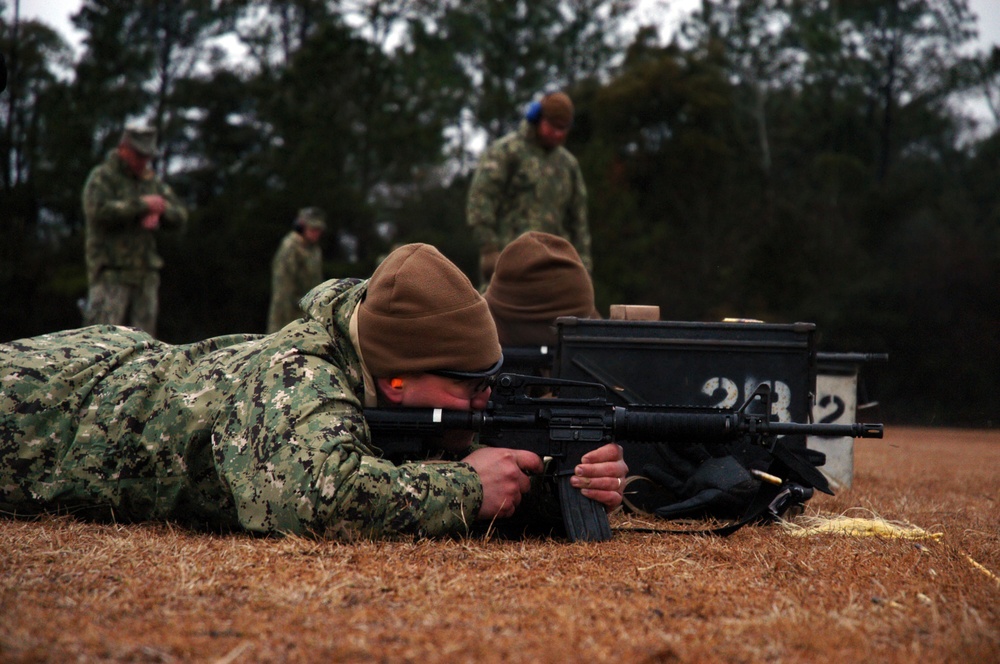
[(267, 433), (539, 277)]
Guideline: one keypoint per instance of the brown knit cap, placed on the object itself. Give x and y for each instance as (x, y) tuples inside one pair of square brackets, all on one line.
[(557, 108), (539, 277), (421, 313)]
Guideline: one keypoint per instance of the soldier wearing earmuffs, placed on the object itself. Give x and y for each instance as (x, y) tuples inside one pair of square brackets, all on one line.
[(527, 181)]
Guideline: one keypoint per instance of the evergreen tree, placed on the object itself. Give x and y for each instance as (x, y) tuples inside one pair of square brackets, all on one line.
[(513, 51)]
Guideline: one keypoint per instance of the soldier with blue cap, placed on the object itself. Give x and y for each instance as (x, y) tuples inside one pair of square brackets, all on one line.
[(527, 181)]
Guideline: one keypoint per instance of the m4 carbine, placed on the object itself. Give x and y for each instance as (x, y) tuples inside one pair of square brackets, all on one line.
[(530, 413)]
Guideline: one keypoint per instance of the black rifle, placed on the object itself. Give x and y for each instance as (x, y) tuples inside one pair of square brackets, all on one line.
[(527, 413)]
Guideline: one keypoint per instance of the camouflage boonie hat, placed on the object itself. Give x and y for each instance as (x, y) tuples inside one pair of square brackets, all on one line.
[(311, 217), (141, 138)]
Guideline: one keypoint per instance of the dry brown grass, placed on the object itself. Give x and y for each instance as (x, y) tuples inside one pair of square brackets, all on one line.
[(72, 591)]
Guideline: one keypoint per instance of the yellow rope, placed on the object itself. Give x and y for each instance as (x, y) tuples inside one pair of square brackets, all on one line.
[(856, 527), (869, 527)]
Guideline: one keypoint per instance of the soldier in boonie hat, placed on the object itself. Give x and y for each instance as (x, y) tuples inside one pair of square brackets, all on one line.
[(141, 138), (125, 203), (297, 267)]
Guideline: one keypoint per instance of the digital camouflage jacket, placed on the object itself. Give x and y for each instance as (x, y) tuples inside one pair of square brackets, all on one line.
[(263, 433), (113, 207), (296, 268), (520, 186)]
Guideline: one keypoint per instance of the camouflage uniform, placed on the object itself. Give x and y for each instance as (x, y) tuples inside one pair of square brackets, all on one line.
[(520, 186), (264, 433), (297, 267), (123, 267)]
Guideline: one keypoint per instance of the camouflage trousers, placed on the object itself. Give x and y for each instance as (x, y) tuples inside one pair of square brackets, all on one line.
[(115, 299)]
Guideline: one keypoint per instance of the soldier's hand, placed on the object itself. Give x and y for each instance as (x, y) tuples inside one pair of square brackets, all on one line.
[(155, 203), (151, 221), (600, 475), (503, 474)]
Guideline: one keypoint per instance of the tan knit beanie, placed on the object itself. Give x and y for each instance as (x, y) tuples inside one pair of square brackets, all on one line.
[(557, 108), (539, 277), (421, 313)]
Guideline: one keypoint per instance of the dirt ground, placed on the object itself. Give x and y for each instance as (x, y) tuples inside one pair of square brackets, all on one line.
[(72, 591)]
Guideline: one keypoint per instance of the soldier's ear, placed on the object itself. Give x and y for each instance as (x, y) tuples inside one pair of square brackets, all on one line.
[(391, 389)]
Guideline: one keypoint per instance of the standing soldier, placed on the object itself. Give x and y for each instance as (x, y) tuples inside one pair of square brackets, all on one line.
[(296, 268), (124, 202), (527, 181)]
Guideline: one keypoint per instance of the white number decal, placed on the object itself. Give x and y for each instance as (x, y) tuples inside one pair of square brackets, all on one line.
[(731, 393), (781, 395), (782, 399)]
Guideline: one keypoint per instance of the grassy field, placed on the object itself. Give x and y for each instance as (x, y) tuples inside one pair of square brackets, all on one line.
[(71, 591)]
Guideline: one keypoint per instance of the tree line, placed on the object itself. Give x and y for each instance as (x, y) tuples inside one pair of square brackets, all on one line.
[(773, 159)]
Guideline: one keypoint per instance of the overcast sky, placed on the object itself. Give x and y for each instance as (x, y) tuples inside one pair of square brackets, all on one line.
[(57, 12)]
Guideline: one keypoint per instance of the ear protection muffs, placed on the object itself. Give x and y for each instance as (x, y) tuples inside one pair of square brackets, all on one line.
[(534, 112)]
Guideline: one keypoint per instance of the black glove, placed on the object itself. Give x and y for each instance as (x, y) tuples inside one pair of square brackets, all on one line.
[(719, 487), (644, 493)]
